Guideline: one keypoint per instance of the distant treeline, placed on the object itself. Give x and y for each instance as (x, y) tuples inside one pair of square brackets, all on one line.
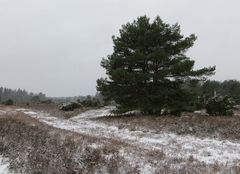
[(19, 95), (22, 96), (67, 99), (97, 97), (210, 88), (202, 92)]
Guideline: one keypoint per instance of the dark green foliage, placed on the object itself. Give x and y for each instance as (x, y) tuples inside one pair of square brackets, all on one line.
[(19, 96), (209, 89), (70, 106), (91, 102), (148, 69), (35, 99), (9, 102), (232, 89), (48, 101), (217, 106)]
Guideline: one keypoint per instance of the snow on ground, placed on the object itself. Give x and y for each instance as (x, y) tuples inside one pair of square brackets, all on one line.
[(2, 112), (3, 166), (205, 150), (30, 113)]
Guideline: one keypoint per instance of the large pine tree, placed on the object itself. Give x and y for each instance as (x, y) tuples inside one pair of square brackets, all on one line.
[(148, 69)]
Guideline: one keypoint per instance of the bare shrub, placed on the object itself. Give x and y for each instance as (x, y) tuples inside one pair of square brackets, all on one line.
[(33, 147)]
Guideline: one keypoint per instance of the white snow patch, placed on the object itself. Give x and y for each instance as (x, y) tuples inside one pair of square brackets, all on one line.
[(30, 113), (95, 146), (2, 112), (106, 111), (206, 150), (134, 112), (144, 167), (147, 169), (4, 166), (21, 109)]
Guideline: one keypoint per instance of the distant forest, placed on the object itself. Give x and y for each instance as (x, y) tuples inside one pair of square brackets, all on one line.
[(204, 90), (22, 96), (19, 95), (210, 88)]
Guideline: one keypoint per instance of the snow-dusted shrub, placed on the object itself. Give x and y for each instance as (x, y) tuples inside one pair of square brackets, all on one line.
[(9, 102), (70, 106), (220, 106), (33, 147)]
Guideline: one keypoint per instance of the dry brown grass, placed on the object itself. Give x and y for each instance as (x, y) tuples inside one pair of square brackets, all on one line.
[(54, 110), (35, 147), (221, 127)]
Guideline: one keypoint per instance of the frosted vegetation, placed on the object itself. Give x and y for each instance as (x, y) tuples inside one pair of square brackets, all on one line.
[(4, 166), (207, 150)]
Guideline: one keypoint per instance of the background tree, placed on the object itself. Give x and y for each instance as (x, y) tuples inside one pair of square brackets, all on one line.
[(9, 102), (220, 106), (35, 99), (229, 88), (210, 88), (19, 95), (148, 68)]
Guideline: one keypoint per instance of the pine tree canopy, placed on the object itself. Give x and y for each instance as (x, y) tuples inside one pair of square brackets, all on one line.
[(148, 68)]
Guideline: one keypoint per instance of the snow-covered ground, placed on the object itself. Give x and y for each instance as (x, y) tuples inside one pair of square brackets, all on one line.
[(207, 150), (2, 112), (3, 166)]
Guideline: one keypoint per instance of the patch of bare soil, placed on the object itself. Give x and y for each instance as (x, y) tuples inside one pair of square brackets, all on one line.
[(221, 127)]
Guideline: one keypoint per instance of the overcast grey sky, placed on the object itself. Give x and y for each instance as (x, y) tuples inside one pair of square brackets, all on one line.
[(55, 46)]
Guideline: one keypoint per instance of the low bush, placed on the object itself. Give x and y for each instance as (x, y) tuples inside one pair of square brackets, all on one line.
[(90, 102), (33, 147), (9, 102), (70, 106), (220, 106)]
